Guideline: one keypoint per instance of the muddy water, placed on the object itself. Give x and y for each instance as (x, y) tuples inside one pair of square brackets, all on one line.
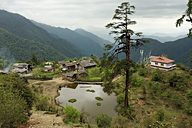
[(86, 100)]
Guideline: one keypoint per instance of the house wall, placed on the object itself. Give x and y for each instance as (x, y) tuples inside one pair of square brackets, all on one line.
[(162, 65)]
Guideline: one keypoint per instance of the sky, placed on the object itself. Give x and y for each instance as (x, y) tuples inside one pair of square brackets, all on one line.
[(153, 16)]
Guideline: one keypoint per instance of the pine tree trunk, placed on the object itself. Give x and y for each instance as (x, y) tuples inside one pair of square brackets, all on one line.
[(127, 81)]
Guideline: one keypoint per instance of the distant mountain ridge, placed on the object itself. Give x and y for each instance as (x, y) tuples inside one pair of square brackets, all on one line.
[(80, 38), (24, 38)]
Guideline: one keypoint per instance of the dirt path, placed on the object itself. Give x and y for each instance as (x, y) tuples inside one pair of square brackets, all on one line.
[(41, 120)]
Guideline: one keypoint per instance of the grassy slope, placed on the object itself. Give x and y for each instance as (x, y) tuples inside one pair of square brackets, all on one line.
[(154, 99)]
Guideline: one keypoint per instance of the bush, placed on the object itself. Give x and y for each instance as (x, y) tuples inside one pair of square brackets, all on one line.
[(120, 98), (42, 104), (178, 81), (103, 121), (137, 81), (157, 76), (155, 88), (13, 109), (160, 114), (143, 72), (72, 115), (18, 86)]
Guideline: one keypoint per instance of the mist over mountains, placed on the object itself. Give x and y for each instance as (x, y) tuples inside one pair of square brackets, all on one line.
[(24, 38)]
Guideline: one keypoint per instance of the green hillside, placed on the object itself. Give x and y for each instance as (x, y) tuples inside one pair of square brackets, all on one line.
[(24, 28), (22, 49)]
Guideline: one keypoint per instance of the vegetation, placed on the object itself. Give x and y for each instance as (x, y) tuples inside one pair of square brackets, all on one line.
[(103, 121), (72, 100), (88, 90), (98, 104), (187, 16), (99, 98), (158, 98), (123, 38), (93, 74), (15, 102), (42, 103), (71, 115)]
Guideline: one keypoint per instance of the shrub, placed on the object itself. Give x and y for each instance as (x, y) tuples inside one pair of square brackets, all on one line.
[(18, 86), (72, 115), (157, 76), (178, 81), (103, 121), (143, 72), (13, 109), (137, 81), (160, 114), (155, 88), (42, 104), (120, 98)]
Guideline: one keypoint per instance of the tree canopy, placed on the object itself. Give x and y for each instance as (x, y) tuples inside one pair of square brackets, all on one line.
[(187, 16)]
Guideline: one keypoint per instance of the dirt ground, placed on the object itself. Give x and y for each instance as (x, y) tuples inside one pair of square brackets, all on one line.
[(48, 88), (41, 120)]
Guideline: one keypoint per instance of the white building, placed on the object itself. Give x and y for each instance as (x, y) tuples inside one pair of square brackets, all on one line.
[(161, 62)]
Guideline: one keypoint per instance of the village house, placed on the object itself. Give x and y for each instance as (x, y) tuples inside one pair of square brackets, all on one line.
[(48, 67), (89, 63), (69, 66), (161, 62), (21, 68)]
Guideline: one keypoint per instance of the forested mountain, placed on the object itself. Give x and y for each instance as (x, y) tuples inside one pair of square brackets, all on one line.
[(179, 50), (85, 41), (92, 36), (24, 28), (23, 49)]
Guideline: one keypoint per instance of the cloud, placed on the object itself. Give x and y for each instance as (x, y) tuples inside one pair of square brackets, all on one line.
[(91, 14)]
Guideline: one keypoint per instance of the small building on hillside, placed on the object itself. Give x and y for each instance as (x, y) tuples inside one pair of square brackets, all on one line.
[(48, 67), (161, 62), (89, 63), (69, 66), (21, 68)]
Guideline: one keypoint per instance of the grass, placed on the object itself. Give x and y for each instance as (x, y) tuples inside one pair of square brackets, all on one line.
[(93, 75), (39, 73)]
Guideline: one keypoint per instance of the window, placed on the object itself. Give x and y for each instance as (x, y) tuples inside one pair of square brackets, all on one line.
[(162, 64), (156, 63)]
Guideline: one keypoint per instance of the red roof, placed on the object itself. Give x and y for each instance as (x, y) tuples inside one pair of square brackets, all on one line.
[(161, 59)]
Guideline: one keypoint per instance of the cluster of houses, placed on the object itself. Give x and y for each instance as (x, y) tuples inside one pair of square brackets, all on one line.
[(73, 69)]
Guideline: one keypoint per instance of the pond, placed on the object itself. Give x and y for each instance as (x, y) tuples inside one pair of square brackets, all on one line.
[(90, 99)]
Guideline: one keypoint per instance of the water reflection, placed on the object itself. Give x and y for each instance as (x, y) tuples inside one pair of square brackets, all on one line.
[(86, 100)]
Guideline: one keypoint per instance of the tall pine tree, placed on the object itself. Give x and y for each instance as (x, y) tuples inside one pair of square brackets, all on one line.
[(124, 40)]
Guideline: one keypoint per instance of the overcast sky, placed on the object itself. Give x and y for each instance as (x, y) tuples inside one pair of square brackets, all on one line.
[(152, 16)]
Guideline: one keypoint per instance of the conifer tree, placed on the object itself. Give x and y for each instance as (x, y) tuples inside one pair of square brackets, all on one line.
[(124, 40)]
